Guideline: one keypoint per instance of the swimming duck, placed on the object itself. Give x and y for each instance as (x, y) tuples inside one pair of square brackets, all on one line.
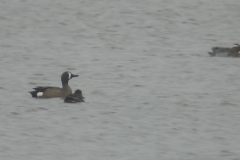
[(74, 98), (225, 52), (51, 92)]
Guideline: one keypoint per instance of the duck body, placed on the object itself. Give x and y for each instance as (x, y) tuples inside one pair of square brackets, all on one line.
[(225, 52), (74, 98), (52, 92)]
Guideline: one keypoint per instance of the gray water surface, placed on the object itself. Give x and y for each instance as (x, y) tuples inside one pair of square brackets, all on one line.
[(152, 92)]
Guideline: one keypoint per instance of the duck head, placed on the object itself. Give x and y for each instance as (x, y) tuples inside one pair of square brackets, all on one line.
[(66, 76)]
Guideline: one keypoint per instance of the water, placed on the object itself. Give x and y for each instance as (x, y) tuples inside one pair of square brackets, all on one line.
[(151, 89)]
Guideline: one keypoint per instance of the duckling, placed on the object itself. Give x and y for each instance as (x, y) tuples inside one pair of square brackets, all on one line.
[(74, 98)]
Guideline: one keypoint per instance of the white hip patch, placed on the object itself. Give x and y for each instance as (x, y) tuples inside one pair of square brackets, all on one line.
[(39, 94)]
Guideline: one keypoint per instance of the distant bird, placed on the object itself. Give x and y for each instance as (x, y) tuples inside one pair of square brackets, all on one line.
[(51, 92), (225, 52), (74, 98)]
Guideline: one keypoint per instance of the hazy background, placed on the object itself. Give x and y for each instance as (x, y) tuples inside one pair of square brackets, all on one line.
[(152, 92)]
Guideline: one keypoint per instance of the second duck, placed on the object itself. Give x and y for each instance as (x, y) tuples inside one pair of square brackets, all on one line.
[(74, 98), (225, 52)]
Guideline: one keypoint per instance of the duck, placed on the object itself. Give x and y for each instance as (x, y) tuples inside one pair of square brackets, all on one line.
[(52, 92), (225, 52), (74, 98)]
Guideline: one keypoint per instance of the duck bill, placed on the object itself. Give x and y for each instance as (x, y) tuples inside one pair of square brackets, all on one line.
[(74, 75)]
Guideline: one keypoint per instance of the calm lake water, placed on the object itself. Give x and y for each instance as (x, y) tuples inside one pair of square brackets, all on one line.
[(151, 89)]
